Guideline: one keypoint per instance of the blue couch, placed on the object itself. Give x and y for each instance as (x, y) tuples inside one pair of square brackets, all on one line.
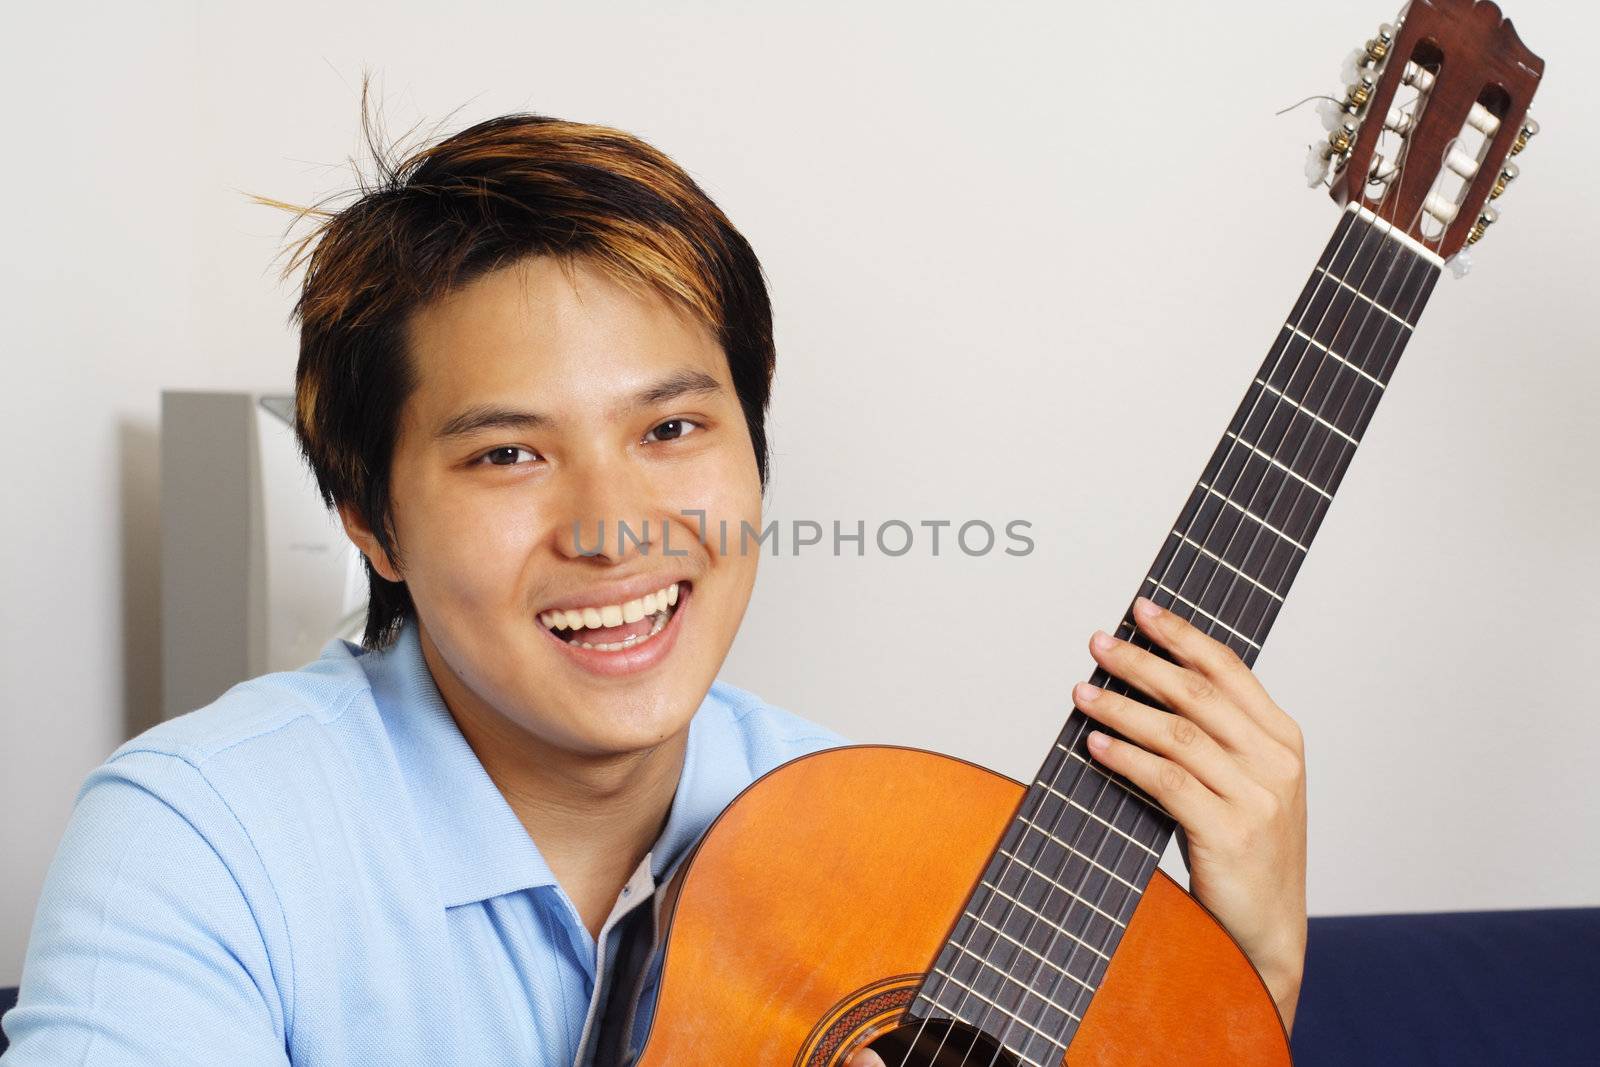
[(1494, 987), (1466, 988)]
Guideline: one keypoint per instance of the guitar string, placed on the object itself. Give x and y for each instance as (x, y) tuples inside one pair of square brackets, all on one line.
[(1009, 904), (1094, 855), (1412, 262), (1007, 908), (1366, 313), (1373, 396), (1072, 848)]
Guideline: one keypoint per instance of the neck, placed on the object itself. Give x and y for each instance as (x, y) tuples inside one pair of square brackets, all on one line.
[(1044, 918), (592, 816)]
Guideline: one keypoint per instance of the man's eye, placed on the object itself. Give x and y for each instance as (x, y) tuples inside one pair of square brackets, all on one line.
[(672, 428), (506, 455)]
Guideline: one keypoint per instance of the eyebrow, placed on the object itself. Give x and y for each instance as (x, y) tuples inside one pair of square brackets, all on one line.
[(482, 417)]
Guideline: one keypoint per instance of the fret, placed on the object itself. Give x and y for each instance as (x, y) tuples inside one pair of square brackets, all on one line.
[(1294, 438), (1005, 1011), (1082, 924), (979, 1018), (1363, 296), (1235, 613), (1266, 489), (1000, 967), (1214, 597), (1381, 268), (1088, 785), (1010, 992), (1097, 818), (1330, 353), (1043, 922), (1192, 564), (1304, 409), (1072, 853), (1018, 871), (1338, 391), (1255, 481), (1276, 462), (1257, 519), (1091, 766), (999, 933), (1192, 606), (1336, 318), (1024, 925)]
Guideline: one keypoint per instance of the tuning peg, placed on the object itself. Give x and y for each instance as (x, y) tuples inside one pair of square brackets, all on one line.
[(1342, 139), (1370, 54), (1460, 264), (1508, 174), (1378, 47), (1530, 129), (1359, 91), (1332, 113), (1318, 160), (1488, 217)]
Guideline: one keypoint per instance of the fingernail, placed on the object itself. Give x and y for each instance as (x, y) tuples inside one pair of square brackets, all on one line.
[(1083, 692), (1101, 641), (1097, 742), (1145, 608)]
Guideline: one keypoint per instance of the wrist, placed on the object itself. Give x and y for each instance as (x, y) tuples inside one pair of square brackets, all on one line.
[(1283, 978)]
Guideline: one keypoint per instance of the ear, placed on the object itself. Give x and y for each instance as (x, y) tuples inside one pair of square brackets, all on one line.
[(361, 535)]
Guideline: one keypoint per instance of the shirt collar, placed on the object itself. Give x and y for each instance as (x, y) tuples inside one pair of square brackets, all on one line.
[(476, 843)]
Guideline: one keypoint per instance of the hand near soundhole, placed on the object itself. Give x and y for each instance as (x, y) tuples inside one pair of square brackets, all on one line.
[(1228, 764), (864, 1057)]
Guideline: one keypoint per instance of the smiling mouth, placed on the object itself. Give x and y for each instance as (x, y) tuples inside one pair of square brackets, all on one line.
[(616, 627)]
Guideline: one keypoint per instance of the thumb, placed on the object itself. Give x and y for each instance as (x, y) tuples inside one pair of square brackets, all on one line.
[(864, 1057)]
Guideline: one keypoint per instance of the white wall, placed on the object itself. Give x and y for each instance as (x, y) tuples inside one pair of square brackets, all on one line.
[(1025, 259)]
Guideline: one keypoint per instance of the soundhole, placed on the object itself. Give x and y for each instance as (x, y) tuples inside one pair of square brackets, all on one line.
[(939, 1043)]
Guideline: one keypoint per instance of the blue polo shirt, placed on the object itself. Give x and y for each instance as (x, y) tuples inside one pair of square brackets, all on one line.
[(316, 869)]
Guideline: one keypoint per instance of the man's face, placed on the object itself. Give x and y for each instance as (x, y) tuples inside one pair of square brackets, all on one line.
[(628, 414)]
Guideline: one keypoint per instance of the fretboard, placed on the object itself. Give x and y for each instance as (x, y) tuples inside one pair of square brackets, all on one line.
[(1035, 938)]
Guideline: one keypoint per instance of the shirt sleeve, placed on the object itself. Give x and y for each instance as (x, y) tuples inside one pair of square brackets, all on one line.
[(151, 940)]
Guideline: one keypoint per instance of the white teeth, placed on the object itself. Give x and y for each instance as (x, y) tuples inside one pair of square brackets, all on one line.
[(655, 603), (617, 646)]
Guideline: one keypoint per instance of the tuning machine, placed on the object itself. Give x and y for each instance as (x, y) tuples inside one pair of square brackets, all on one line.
[(1461, 263), (1530, 129), (1342, 118), (1508, 174), (1372, 54)]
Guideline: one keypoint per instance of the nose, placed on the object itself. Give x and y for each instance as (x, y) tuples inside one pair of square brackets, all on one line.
[(608, 512)]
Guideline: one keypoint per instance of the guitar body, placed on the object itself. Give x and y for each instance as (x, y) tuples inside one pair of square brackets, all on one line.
[(817, 901)]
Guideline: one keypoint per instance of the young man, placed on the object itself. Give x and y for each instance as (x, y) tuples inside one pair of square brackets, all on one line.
[(445, 846)]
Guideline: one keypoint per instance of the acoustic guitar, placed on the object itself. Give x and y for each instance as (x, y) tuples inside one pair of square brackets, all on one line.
[(943, 914)]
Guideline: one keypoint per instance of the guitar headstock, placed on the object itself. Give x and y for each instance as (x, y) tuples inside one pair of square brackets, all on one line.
[(1436, 107)]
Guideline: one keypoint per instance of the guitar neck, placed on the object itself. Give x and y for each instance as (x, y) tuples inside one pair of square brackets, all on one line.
[(1038, 932)]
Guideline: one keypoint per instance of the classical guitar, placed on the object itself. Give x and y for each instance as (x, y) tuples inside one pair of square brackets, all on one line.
[(943, 914)]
